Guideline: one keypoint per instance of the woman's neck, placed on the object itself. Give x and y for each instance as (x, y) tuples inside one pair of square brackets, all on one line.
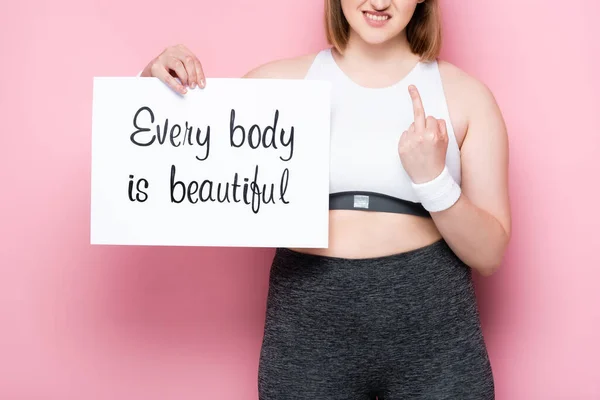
[(376, 65)]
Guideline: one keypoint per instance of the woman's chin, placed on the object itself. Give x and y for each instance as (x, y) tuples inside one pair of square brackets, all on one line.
[(376, 38)]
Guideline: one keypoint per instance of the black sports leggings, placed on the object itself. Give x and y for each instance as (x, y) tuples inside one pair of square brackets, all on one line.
[(404, 326)]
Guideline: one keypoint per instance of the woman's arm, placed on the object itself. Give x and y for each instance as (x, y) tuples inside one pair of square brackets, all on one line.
[(478, 226)]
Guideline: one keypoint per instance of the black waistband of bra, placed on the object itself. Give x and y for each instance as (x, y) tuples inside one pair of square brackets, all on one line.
[(370, 201)]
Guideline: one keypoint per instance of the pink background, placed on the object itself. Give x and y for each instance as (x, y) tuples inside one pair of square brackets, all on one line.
[(83, 322)]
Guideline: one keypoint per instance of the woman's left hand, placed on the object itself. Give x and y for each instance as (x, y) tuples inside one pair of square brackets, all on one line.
[(422, 148)]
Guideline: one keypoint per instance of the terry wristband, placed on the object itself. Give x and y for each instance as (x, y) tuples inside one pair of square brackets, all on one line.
[(438, 194)]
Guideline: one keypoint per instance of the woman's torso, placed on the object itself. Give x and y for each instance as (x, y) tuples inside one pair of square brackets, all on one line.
[(364, 135)]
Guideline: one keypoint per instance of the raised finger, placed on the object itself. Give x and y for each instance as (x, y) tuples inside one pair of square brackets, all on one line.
[(419, 112)]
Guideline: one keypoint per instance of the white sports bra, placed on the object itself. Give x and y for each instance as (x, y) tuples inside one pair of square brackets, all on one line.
[(366, 123)]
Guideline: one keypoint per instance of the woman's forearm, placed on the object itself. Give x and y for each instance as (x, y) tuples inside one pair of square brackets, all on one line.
[(474, 235)]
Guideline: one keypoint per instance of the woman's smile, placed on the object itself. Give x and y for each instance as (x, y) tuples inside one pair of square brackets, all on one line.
[(376, 19)]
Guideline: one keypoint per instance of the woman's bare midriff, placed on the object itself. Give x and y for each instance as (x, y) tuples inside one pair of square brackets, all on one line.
[(364, 234)]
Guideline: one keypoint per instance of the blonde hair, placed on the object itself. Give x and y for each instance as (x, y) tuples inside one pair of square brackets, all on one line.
[(424, 30)]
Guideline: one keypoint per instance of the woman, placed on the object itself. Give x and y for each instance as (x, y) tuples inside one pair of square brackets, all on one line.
[(419, 199)]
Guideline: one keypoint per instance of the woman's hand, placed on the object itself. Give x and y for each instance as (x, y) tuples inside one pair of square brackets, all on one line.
[(422, 148), (177, 62)]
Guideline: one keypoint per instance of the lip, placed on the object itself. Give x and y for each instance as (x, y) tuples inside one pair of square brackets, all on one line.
[(373, 23)]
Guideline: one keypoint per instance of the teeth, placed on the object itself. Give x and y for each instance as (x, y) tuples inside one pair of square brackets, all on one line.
[(377, 17)]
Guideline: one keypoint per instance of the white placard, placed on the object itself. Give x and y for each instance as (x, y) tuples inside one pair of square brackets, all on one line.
[(243, 162)]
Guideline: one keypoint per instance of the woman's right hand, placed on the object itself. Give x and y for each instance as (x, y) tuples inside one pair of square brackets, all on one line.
[(177, 62)]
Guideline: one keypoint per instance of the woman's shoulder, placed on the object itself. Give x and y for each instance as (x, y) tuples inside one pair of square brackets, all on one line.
[(286, 68), (462, 85), (470, 101)]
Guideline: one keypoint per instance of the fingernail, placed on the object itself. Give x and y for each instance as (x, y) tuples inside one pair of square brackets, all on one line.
[(202, 83)]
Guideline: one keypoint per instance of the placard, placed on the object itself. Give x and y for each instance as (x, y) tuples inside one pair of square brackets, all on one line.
[(242, 162)]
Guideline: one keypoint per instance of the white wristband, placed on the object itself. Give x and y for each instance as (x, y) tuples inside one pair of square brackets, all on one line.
[(438, 194)]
